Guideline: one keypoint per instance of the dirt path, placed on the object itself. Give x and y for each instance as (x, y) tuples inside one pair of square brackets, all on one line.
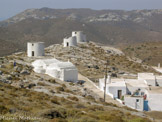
[(91, 86)]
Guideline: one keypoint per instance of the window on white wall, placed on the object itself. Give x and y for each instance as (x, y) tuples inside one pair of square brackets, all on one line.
[(137, 100)]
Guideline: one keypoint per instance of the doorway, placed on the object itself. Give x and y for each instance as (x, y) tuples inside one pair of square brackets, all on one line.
[(67, 44), (137, 104), (32, 53), (119, 94)]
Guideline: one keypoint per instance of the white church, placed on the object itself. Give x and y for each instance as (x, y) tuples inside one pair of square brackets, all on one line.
[(64, 71)]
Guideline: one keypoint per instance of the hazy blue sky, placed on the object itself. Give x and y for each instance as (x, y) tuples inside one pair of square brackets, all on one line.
[(9, 8)]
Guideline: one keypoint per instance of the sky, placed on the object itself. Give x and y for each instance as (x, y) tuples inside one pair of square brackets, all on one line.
[(9, 8)]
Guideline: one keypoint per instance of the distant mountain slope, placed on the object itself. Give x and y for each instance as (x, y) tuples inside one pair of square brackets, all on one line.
[(87, 15), (112, 27), (149, 52)]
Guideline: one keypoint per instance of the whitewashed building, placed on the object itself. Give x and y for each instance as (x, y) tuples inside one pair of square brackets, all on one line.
[(80, 36), (41, 65), (143, 94), (154, 97), (134, 102), (115, 87), (64, 71), (35, 49), (71, 41)]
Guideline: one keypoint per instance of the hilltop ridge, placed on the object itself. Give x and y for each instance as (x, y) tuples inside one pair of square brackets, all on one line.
[(110, 27)]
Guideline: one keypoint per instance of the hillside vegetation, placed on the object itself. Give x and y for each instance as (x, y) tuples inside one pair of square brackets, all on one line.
[(90, 59), (22, 103), (149, 53), (27, 95)]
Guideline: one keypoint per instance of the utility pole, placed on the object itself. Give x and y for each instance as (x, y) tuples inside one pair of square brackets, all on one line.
[(107, 63)]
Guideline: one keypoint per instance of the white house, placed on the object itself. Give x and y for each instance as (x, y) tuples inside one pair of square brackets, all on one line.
[(143, 94), (154, 97), (134, 102), (149, 78), (35, 49), (80, 36), (115, 87), (71, 41), (64, 71), (143, 76), (134, 85), (159, 81)]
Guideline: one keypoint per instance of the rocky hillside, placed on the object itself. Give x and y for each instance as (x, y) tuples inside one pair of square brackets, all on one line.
[(110, 27), (27, 95), (91, 58), (149, 52)]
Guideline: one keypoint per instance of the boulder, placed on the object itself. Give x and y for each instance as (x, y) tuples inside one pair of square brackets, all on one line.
[(114, 68), (96, 67), (25, 72), (51, 114), (41, 79), (121, 73), (18, 69), (5, 81), (31, 85), (15, 74), (9, 77), (113, 75)]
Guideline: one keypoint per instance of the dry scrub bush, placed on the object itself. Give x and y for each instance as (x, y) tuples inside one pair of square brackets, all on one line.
[(59, 89), (73, 98)]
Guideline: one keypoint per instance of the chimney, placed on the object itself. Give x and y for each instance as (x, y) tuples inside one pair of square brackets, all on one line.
[(159, 65)]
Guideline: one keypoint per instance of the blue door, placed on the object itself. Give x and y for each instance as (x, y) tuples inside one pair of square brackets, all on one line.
[(145, 105)]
